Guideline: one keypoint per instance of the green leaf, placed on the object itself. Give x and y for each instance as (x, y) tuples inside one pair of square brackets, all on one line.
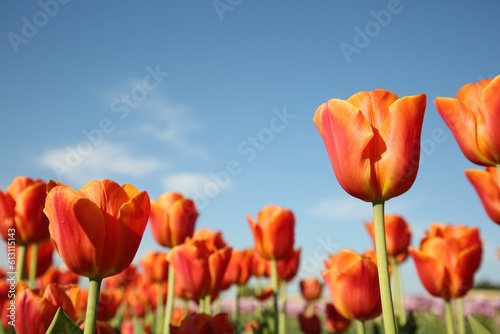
[(477, 327), (63, 324)]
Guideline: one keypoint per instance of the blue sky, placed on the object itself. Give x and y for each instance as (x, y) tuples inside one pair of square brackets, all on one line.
[(215, 99)]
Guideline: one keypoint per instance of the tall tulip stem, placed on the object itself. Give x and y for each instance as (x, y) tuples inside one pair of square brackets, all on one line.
[(275, 285), (399, 300), (460, 316), (159, 308), (360, 327), (169, 304), (282, 313), (383, 269), (450, 325), (92, 305), (33, 265), (21, 259)]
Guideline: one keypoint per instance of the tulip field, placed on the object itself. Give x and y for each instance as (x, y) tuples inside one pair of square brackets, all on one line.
[(199, 283)]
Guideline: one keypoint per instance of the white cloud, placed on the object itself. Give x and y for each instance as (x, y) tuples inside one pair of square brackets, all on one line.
[(341, 209), (196, 185), (103, 161)]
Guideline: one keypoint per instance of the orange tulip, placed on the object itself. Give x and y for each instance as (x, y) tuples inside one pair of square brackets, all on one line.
[(122, 280), (353, 283), (397, 234), (474, 120), (309, 323), (214, 238), (288, 267), (259, 265), (173, 218), (311, 289), (238, 269), (447, 260), (57, 275), (487, 185), (109, 301), (335, 322), (36, 309), (199, 269), (273, 232), (21, 208), (373, 141), (98, 229), (156, 266), (201, 323)]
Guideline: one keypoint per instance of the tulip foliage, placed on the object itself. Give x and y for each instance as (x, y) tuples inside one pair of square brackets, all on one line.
[(372, 140)]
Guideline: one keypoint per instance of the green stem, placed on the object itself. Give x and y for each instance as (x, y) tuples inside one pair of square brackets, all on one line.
[(169, 304), (360, 326), (498, 170), (282, 313), (159, 308), (217, 307), (274, 281), (201, 305), (20, 260), (184, 308), (450, 326), (92, 305), (399, 301), (461, 316), (383, 270), (207, 304), (236, 306), (33, 265)]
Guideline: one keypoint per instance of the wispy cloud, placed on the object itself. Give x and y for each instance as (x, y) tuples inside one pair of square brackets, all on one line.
[(186, 183), (341, 209), (105, 161)]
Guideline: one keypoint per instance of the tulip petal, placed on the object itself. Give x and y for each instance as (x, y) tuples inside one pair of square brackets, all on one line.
[(490, 106), (374, 105), (488, 190), (346, 134), (106, 194), (70, 214), (31, 222), (463, 277), (431, 271)]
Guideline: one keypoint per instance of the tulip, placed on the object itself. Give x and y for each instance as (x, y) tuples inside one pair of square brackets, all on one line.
[(57, 275), (216, 239), (487, 185), (173, 218), (259, 265), (353, 283), (474, 120), (97, 231), (335, 322), (199, 268), (122, 280), (311, 289), (155, 266), (239, 268), (447, 260), (109, 301), (36, 309), (373, 141), (398, 236), (309, 323), (200, 323)]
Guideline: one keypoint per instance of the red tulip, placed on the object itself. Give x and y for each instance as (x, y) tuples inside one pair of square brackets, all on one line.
[(487, 185), (156, 266), (200, 323), (123, 279), (260, 265), (57, 275), (335, 322), (273, 232), (199, 269), (288, 267), (311, 289), (397, 236), (474, 120), (238, 269), (216, 239), (172, 220), (21, 208), (447, 260), (107, 306), (309, 323), (353, 283), (98, 229), (373, 141)]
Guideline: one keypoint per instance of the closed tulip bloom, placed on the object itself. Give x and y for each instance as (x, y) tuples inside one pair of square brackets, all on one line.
[(353, 283), (97, 229), (487, 186), (397, 236), (155, 266), (335, 322), (274, 232), (57, 275), (311, 289), (199, 269), (239, 268), (214, 238), (309, 323), (36, 309), (259, 265), (172, 219), (288, 267), (21, 208), (373, 141), (474, 120), (446, 265), (120, 281)]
